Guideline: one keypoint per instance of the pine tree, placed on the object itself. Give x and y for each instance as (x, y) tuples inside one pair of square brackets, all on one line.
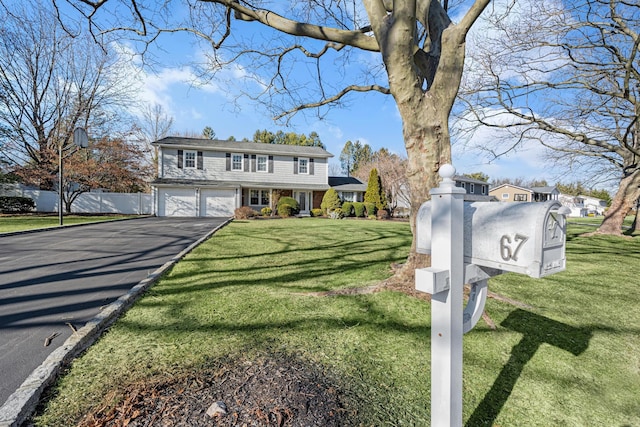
[(330, 201), (375, 194)]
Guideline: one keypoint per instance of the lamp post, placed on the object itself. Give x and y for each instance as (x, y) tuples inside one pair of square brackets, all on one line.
[(80, 140)]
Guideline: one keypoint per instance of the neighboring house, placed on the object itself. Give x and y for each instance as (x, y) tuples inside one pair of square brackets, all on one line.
[(514, 193), (349, 188), (543, 194), (582, 206), (476, 190), (575, 204), (593, 205), (203, 177)]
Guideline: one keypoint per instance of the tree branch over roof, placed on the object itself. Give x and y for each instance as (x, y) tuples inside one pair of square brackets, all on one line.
[(335, 98)]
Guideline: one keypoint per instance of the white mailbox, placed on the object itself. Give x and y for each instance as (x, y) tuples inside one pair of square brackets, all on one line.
[(526, 238)]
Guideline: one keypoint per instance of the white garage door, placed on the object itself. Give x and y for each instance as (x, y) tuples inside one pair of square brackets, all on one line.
[(177, 202), (217, 202)]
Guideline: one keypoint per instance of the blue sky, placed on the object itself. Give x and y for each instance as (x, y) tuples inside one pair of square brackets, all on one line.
[(370, 118)]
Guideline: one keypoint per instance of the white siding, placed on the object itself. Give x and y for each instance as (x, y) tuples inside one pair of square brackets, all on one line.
[(214, 168)]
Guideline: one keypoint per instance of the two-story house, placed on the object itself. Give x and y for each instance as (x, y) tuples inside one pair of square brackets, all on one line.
[(476, 190), (202, 177)]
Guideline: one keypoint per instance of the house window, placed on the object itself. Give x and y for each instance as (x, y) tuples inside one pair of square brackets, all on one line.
[(190, 159), (236, 162), (255, 197), (484, 190), (348, 196), (472, 190), (520, 197), (259, 197), (505, 196), (303, 166), (261, 165)]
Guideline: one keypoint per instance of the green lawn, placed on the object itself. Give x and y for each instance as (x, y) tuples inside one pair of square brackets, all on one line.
[(596, 221), (573, 359), (10, 223)]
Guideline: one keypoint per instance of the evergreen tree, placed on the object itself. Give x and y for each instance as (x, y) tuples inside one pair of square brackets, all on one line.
[(330, 201), (209, 133), (375, 193)]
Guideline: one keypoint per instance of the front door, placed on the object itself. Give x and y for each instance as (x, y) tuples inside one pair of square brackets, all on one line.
[(303, 201)]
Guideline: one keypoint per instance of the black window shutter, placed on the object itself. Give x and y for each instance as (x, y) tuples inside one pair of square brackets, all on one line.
[(310, 166), (246, 163), (200, 160), (228, 156), (270, 164), (180, 159), (295, 165), (253, 163)]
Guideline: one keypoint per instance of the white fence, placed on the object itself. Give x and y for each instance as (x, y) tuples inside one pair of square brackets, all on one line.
[(116, 203)]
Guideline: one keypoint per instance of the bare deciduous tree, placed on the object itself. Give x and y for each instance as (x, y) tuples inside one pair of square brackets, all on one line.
[(50, 83), (566, 75), (415, 42), (155, 123)]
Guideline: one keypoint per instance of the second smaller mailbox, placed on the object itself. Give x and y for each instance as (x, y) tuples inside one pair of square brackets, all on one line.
[(526, 238)]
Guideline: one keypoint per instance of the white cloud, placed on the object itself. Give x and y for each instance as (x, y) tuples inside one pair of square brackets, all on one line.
[(499, 153)]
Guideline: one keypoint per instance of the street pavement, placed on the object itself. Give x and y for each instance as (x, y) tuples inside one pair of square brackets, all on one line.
[(54, 281)]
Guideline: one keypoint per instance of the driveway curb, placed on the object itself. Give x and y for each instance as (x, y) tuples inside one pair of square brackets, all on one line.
[(21, 404)]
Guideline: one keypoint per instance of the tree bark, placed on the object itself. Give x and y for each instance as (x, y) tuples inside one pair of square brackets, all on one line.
[(623, 202)]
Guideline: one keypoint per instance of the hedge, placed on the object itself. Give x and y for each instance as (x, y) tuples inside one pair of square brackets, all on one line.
[(347, 208), (11, 204), (293, 204), (285, 210), (371, 208)]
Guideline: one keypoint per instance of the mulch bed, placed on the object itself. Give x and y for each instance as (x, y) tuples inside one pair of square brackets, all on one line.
[(274, 390)]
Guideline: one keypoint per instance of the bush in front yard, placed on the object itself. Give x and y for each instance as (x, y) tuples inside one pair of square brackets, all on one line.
[(358, 209), (371, 208), (266, 211), (244, 212), (347, 208), (316, 212), (330, 201), (10, 204), (285, 210), (293, 204)]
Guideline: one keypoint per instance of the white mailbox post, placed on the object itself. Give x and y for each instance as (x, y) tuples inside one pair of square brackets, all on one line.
[(469, 243)]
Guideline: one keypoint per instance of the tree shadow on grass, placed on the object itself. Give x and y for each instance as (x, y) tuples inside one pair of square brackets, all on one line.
[(536, 330)]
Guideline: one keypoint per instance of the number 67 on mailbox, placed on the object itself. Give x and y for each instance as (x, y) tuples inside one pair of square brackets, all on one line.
[(526, 238)]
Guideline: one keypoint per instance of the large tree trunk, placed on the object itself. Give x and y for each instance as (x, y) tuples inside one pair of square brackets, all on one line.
[(425, 117), (623, 202)]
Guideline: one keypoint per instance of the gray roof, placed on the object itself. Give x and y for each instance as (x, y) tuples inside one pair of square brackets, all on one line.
[(464, 178), (346, 183), (543, 190), (242, 146)]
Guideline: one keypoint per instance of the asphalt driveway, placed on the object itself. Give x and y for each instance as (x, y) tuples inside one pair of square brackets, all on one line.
[(54, 281)]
